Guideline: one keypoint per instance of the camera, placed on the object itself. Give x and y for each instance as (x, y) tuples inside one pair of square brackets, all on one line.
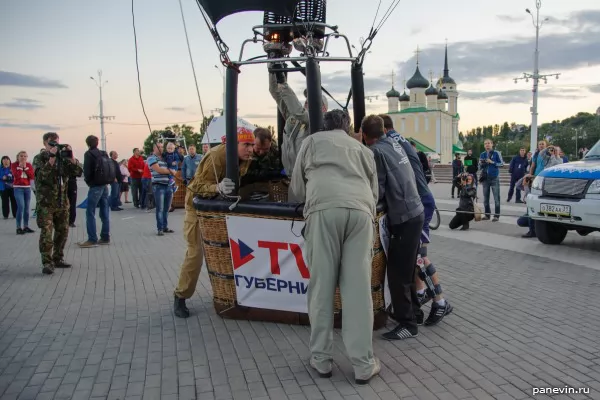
[(62, 149)]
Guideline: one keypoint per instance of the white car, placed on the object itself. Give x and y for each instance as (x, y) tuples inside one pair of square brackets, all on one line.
[(567, 197)]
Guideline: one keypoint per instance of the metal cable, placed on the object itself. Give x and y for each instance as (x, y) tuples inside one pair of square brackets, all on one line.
[(137, 66)]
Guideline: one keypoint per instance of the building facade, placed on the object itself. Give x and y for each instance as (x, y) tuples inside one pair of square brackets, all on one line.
[(428, 113)]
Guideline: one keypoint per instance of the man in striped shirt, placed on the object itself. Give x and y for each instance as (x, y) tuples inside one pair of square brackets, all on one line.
[(163, 194)]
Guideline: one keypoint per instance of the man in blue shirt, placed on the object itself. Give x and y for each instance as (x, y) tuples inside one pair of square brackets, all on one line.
[(440, 307), (490, 162), (163, 195), (190, 164), (517, 169)]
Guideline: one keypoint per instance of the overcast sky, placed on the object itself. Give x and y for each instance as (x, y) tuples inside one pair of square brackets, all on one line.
[(51, 48)]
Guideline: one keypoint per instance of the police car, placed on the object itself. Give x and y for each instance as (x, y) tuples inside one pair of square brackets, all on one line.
[(567, 197)]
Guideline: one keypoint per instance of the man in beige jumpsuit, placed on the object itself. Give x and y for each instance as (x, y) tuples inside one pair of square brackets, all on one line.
[(336, 178)]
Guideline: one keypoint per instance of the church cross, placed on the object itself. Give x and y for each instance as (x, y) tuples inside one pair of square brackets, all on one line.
[(417, 53), (393, 78)]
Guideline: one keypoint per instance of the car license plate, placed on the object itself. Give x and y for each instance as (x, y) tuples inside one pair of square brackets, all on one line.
[(556, 209)]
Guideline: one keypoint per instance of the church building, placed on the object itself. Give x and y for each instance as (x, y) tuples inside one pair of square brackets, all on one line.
[(428, 114)]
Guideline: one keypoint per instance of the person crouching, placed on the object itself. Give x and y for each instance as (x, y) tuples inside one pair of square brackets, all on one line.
[(464, 212)]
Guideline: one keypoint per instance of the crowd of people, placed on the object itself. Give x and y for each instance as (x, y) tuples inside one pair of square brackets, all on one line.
[(340, 177)]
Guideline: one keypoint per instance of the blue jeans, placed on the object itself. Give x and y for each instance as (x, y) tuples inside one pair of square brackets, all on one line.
[(492, 184), (163, 195), (97, 198), (144, 192), (526, 222), (115, 194), (23, 197)]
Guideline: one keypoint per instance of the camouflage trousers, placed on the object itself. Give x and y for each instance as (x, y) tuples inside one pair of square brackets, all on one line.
[(53, 220)]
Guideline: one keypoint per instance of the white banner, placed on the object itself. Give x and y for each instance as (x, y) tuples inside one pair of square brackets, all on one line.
[(269, 265), (384, 237)]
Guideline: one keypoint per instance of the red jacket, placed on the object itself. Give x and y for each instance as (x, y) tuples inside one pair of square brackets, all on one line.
[(133, 165), (23, 176), (147, 174)]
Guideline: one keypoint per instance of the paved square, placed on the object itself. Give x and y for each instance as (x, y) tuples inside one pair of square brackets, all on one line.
[(105, 329)]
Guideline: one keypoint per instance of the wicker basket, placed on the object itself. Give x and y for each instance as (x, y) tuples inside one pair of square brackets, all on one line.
[(278, 191), (220, 270), (179, 195)]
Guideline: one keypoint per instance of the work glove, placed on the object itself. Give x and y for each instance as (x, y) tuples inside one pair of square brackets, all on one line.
[(226, 186)]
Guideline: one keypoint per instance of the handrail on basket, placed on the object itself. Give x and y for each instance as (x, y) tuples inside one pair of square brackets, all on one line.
[(275, 209)]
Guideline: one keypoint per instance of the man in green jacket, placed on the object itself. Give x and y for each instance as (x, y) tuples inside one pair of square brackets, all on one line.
[(52, 175)]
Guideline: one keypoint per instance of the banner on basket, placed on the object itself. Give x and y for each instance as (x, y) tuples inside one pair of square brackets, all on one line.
[(269, 265), (384, 237)]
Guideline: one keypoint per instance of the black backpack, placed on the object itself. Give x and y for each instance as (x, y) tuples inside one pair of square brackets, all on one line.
[(105, 172)]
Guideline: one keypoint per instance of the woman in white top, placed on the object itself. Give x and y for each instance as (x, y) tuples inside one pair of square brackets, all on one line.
[(125, 183)]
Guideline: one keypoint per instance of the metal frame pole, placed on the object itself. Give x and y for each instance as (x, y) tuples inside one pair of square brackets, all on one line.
[(314, 95), (231, 140)]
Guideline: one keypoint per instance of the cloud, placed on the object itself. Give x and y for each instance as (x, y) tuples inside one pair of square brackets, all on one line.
[(594, 88), (42, 127), (474, 62), (15, 79), (23, 103), (259, 115), (179, 109), (510, 18), (522, 96)]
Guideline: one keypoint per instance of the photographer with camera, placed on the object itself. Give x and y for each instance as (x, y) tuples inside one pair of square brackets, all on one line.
[(99, 171), (467, 191), (52, 168)]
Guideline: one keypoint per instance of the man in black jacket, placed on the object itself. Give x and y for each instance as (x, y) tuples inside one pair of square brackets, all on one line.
[(471, 165), (97, 193), (115, 187), (405, 213)]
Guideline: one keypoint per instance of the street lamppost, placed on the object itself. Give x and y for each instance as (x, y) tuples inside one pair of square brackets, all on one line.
[(224, 83), (536, 74), (101, 117)]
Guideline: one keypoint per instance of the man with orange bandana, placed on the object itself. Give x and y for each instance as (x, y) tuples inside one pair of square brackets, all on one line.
[(209, 181)]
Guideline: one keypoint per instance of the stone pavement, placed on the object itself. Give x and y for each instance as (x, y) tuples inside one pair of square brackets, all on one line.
[(105, 329)]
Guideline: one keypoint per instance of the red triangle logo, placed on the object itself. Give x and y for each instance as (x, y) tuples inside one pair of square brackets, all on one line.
[(236, 254)]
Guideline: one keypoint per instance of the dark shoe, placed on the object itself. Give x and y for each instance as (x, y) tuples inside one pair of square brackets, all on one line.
[(171, 209), (167, 230), (495, 219), (127, 202), (519, 202), (364, 380), (20, 231), (87, 244), (48, 269), (465, 227), (322, 373), (104, 242), (28, 230), (160, 233), (437, 313), (116, 209), (72, 225), (400, 333), (508, 200), (485, 218), (180, 309), (61, 264), (420, 316), (528, 235)]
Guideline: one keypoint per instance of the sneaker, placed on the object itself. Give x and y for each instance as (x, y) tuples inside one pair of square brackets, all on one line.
[(167, 230), (160, 233), (104, 242), (20, 231), (399, 333), (419, 317), (28, 230), (485, 218), (72, 225), (48, 269), (87, 244), (495, 219), (437, 313), (465, 227), (528, 235), (322, 373), (376, 370), (180, 309), (61, 264), (519, 202), (116, 209)]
